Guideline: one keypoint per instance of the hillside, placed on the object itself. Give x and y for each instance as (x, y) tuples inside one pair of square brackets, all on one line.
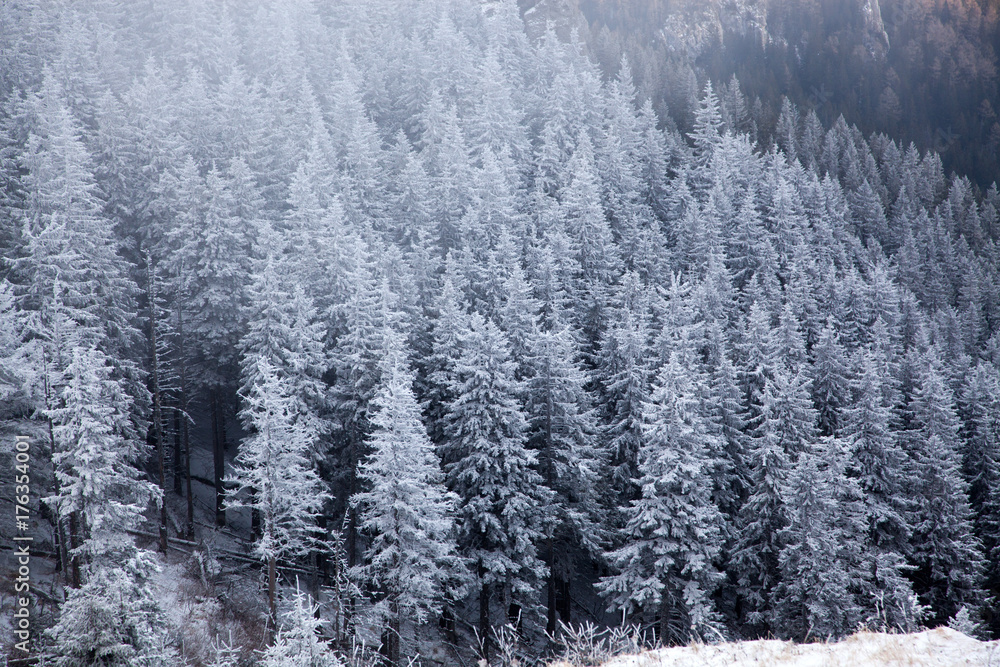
[(921, 70), (425, 331)]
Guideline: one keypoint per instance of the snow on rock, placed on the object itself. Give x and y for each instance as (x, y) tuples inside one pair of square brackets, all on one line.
[(941, 647)]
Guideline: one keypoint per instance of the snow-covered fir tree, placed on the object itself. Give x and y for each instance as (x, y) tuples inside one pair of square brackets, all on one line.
[(667, 567), (273, 473), (411, 562), (502, 498), (297, 643)]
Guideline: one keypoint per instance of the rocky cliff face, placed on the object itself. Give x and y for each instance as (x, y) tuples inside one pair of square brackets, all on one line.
[(874, 28)]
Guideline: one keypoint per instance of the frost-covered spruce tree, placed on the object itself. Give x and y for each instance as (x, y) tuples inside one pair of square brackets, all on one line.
[(95, 461), (18, 360), (979, 408), (946, 553), (357, 356), (273, 474), (674, 531), (502, 498), (756, 547), (114, 618), (878, 465), (583, 219), (980, 411), (830, 381), (623, 376), (69, 261), (563, 432), (821, 548), (284, 328), (706, 137), (406, 511), (439, 366), (297, 643)]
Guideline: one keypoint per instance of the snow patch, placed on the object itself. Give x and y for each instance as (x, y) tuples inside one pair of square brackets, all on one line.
[(941, 647)]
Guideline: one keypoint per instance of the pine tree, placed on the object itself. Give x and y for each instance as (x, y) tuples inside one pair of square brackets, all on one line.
[(273, 469), (284, 328), (584, 222), (17, 359), (405, 509), (502, 499), (821, 547), (674, 530), (296, 643), (979, 408), (115, 619), (623, 373), (829, 382), (562, 430), (783, 429), (706, 137), (74, 283), (945, 551), (95, 457), (878, 465)]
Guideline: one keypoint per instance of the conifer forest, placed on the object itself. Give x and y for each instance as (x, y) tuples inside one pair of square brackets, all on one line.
[(366, 333)]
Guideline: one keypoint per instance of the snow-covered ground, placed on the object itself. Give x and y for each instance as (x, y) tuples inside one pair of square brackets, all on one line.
[(941, 647)]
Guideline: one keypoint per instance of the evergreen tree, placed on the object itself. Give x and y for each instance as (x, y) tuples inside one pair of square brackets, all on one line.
[(945, 552), (821, 547), (405, 509), (17, 359), (878, 465), (563, 432), (623, 372), (296, 643), (284, 328), (273, 469), (502, 499), (829, 382), (95, 457), (667, 565), (115, 619)]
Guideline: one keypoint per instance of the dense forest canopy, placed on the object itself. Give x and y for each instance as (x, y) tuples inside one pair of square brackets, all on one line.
[(425, 332), (919, 70)]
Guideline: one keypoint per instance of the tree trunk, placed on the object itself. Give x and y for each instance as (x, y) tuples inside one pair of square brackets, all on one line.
[(62, 551), (564, 603), (394, 634), (664, 620), (74, 542), (550, 625), (187, 475), (219, 458), (255, 523), (272, 577), (157, 402), (182, 356), (178, 455), (485, 629)]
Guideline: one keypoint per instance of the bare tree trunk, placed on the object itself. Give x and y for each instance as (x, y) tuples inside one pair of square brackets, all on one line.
[(485, 629), (272, 581), (187, 474), (550, 625), (394, 636), (178, 455), (157, 403), (74, 542), (182, 356), (219, 459)]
